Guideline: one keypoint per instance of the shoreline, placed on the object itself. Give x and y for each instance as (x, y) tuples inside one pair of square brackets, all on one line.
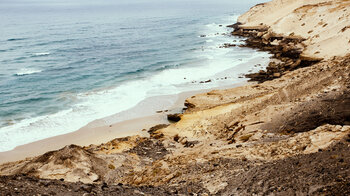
[(130, 122), (239, 65), (99, 131)]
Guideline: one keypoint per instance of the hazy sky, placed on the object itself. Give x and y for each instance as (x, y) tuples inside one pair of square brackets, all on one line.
[(145, 7), (120, 2)]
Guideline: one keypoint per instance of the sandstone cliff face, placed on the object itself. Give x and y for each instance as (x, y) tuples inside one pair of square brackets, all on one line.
[(324, 24)]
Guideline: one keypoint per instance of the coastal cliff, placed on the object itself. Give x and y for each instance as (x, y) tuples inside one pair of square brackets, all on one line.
[(288, 134), (323, 25)]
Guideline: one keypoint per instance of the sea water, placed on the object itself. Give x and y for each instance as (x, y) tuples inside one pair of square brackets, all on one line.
[(64, 64)]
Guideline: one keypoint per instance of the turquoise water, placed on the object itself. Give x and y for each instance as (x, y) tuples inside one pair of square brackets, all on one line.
[(64, 64)]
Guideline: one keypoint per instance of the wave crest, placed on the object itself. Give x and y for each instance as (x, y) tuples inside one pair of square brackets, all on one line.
[(27, 71), (41, 54)]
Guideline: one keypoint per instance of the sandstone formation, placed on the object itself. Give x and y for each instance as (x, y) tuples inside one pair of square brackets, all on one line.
[(298, 33), (323, 24)]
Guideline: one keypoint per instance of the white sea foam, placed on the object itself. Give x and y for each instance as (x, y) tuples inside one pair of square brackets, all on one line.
[(41, 54), (27, 71)]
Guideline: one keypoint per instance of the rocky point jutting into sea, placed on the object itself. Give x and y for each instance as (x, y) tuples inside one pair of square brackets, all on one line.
[(286, 134)]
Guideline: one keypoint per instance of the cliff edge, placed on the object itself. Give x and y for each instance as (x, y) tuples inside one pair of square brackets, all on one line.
[(324, 25)]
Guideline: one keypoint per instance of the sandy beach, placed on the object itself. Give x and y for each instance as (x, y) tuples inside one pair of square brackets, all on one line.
[(135, 121)]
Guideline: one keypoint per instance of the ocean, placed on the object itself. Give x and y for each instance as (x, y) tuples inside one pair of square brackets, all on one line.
[(64, 64)]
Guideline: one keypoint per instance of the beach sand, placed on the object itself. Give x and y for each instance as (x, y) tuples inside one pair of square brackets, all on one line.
[(135, 121), (146, 114)]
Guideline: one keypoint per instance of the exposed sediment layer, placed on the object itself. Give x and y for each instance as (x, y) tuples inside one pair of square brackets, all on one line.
[(286, 136), (322, 24), (297, 33), (286, 51)]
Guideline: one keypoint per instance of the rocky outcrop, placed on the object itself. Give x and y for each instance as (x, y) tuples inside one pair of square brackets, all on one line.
[(322, 24), (294, 33), (286, 51), (72, 163)]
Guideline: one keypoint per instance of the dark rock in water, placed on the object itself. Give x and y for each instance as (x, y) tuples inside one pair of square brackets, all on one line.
[(235, 26), (161, 111), (203, 36), (220, 25), (227, 45), (207, 81), (174, 117)]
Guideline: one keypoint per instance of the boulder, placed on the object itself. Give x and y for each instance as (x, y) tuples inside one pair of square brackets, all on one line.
[(174, 117)]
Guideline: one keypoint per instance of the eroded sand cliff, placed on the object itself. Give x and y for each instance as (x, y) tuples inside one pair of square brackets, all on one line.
[(323, 24)]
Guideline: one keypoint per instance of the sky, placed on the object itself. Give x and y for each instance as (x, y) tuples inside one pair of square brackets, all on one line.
[(121, 7), (121, 2)]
